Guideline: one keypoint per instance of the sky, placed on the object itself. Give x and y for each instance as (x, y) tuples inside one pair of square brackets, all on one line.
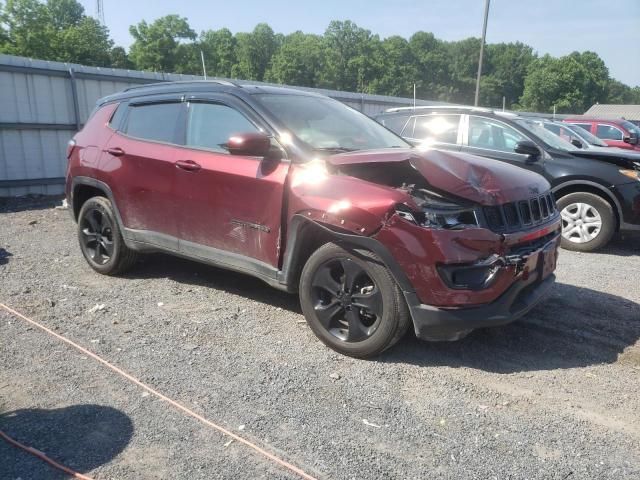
[(611, 28)]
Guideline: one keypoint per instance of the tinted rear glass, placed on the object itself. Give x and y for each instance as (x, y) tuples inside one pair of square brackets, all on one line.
[(118, 115), (394, 124), (157, 122)]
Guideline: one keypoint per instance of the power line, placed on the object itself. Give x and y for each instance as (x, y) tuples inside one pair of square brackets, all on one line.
[(100, 12)]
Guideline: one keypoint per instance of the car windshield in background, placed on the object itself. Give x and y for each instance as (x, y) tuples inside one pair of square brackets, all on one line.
[(545, 135), (587, 136), (632, 127), (328, 125)]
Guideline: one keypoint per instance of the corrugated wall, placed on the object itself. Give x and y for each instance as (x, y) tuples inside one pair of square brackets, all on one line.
[(43, 103)]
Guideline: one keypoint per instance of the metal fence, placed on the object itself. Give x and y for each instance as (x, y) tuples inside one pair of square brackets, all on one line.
[(42, 104)]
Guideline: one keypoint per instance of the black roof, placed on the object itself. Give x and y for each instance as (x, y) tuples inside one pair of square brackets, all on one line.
[(224, 86)]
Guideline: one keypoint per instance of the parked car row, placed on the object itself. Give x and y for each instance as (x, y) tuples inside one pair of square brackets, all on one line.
[(314, 197), (597, 188)]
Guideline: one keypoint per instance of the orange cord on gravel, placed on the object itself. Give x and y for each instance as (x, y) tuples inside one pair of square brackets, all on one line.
[(283, 463)]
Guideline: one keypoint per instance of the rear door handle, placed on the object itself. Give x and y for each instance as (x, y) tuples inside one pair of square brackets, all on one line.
[(188, 165), (115, 151)]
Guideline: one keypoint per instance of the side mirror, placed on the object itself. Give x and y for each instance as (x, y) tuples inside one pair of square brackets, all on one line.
[(527, 147), (251, 144), (576, 143), (631, 139)]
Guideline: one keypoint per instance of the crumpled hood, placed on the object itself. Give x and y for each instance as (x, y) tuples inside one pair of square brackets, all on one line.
[(477, 179)]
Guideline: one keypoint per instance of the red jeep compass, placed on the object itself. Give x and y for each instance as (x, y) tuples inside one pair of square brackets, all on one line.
[(313, 197)]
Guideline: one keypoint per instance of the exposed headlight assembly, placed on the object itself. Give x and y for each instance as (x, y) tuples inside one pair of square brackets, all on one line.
[(633, 174), (437, 211)]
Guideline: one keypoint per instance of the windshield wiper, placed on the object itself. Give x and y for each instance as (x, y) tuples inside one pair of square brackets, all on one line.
[(334, 149)]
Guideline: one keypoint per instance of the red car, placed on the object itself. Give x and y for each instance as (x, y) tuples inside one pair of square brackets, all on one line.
[(313, 197), (615, 132)]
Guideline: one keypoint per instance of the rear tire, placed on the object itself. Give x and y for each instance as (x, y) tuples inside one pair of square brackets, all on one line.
[(100, 238), (351, 301), (588, 221)]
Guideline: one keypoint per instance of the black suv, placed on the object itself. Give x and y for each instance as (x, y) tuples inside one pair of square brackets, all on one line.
[(598, 192)]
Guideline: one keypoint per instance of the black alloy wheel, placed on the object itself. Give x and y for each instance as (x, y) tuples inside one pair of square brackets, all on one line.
[(97, 235), (346, 300), (351, 301)]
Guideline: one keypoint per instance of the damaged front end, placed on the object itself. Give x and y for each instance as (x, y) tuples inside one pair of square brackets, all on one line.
[(473, 242)]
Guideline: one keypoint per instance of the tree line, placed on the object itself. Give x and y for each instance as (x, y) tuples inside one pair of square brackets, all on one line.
[(346, 57)]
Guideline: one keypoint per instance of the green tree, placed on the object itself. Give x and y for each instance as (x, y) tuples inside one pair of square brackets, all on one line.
[(156, 46), (65, 13), (432, 65), (254, 51), (30, 32), (399, 71), (352, 57), (87, 43), (571, 83), (118, 58), (507, 65), (219, 48), (299, 61)]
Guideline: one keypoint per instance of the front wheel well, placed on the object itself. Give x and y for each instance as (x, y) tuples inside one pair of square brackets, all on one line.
[(585, 188), (81, 194)]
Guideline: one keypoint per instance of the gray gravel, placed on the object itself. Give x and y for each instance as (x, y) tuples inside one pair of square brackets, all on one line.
[(553, 396)]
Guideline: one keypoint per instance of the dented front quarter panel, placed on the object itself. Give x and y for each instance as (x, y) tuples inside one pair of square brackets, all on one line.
[(344, 202)]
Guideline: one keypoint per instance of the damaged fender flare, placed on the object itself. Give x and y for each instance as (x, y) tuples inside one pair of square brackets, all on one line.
[(300, 226)]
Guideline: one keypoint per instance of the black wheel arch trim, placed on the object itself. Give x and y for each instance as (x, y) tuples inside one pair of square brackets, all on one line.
[(298, 226), (606, 191), (92, 182)]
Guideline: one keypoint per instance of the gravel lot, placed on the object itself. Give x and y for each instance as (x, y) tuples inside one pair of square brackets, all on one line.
[(553, 396)]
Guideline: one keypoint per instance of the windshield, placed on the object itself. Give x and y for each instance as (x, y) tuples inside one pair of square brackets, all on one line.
[(545, 135), (325, 124), (631, 127), (587, 136)]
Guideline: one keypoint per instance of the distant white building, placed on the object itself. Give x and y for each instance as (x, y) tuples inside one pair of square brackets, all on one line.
[(628, 112)]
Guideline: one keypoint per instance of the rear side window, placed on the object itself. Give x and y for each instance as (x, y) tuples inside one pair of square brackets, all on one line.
[(118, 115), (395, 124), (608, 132), (437, 128), (210, 125), (157, 122)]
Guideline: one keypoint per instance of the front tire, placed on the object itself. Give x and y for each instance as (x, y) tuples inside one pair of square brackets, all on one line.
[(351, 301), (100, 239), (588, 221)]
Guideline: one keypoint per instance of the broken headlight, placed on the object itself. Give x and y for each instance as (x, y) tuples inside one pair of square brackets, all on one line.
[(438, 211)]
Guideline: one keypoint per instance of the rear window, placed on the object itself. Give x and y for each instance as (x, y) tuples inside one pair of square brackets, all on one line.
[(395, 124), (584, 126), (157, 122)]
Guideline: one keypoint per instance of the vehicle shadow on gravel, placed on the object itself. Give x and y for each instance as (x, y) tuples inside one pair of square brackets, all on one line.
[(4, 256), (81, 437), (574, 327), (31, 202), (192, 273), (627, 245)]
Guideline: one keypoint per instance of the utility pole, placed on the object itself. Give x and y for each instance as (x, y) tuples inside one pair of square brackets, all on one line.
[(100, 12), (484, 36)]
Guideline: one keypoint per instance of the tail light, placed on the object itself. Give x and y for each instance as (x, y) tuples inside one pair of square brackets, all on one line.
[(70, 146)]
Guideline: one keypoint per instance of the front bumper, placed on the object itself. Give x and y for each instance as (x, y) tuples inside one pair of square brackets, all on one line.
[(529, 288)]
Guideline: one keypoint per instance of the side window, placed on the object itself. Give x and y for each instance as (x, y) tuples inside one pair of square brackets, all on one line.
[(608, 132), (585, 126), (437, 128), (210, 125), (395, 124), (407, 131), (486, 133), (118, 115), (158, 121)]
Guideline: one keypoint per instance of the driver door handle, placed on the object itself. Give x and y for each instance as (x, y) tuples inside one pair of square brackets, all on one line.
[(115, 151), (188, 165)]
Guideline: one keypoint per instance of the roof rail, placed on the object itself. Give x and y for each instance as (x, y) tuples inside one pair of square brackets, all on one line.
[(439, 107), (157, 84)]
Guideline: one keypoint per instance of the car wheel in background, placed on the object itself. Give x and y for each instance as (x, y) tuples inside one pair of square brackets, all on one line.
[(588, 221), (351, 301)]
